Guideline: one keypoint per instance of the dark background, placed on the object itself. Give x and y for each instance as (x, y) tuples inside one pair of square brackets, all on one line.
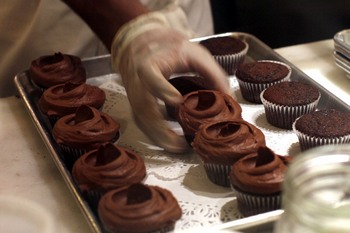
[(281, 23)]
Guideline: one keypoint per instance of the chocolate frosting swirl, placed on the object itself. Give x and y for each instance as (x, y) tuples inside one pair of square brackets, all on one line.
[(86, 129), (226, 141), (64, 99), (50, 70), (110, 166), (138, 208), (203, 106), (259, 173)]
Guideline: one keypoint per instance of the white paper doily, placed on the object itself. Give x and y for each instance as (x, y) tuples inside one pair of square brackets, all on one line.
[(203, 203)]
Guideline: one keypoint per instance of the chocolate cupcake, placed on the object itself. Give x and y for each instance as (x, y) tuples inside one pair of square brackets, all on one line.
[(220, 144), (322, 127), (257, 181), (139, 208), (64, 99), (84, 130), (256, 76), (50, 70), (185, 84), (286, 101), (228, 51), (106, 168), (201, 107)]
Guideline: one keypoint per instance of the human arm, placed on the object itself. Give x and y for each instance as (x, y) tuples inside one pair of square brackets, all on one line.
[(146, 51), (105, 17)]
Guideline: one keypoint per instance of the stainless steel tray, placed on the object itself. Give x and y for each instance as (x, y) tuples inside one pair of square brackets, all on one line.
[(100, 66)]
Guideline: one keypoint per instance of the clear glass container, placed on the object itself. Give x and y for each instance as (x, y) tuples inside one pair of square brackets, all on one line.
[(316, 192)]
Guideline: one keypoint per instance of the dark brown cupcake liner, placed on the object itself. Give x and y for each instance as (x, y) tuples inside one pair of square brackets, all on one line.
[(250, 204), (93, 197), (308, 141), (230, 62), (218, 173), (283, 116), (70, 154), (251, 91)]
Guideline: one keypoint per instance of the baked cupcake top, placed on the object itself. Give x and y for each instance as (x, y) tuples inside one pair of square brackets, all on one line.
[(87, 128), (263, 71), (261, 172), (324, 123), (138, 208), (50, 70), (203, 106), (226, 141), (292, 93), (223, 45), (109, 166), (64, 99)]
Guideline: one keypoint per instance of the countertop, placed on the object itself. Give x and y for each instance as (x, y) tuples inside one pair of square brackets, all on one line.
[(27, 170)]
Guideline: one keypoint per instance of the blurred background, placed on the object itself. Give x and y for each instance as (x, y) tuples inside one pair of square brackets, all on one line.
[(283, 22)]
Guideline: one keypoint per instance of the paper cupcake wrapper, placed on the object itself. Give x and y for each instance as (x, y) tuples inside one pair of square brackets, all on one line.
[(70, 154), (53, 119), (251, 91), (249, 204), (218, 174), (307, 141), (283, 116), (93, 197), (231, 62)]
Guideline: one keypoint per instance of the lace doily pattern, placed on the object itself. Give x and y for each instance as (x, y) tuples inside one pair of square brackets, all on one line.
[(203, 203)]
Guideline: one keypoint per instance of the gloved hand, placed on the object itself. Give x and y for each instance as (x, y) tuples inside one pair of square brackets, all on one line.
[(146, 52)]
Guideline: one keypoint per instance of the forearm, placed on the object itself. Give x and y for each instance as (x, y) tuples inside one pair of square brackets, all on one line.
[(105, 17)]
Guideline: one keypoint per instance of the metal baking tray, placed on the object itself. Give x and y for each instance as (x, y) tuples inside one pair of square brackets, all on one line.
[(341, 51), (99, 66)]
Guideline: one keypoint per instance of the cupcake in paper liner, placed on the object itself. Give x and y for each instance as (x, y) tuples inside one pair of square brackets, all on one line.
[(286, 101), (256, 180), (84, 130), (228, 51), (249, 205), (220, 144), (106, 168), (64, 99), (254, 77), (139, 208), (322, 127), (58, 68)]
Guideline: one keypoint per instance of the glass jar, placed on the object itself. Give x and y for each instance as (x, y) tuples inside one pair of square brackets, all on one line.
[(316, 192)]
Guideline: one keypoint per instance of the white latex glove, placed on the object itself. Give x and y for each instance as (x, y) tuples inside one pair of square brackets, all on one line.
[(146, 52)]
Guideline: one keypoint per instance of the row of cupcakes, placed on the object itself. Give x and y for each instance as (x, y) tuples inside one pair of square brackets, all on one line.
[(72, 106), (109, 176), (292, 105), (213, 125), (111, 179)]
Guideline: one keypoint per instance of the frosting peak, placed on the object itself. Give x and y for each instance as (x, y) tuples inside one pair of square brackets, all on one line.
[(225, 141), (64, 99), (56, 69), (88, 128), (108, 167), (125, 210), (137, 194), (203, 106), (261, 172)]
